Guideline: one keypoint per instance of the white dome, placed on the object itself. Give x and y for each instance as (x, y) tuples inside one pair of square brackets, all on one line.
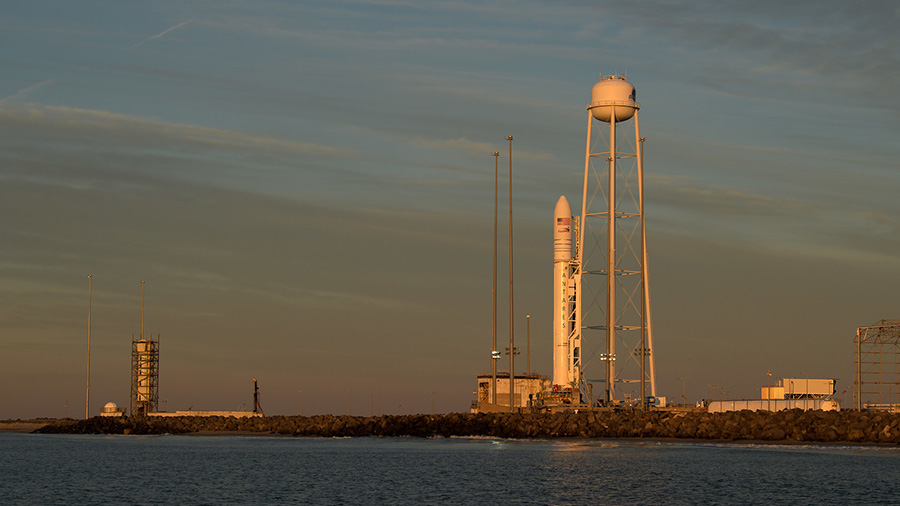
[(613, 92), (110, 406)]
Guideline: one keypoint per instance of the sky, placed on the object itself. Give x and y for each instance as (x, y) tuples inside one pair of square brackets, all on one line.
[(306, 189)]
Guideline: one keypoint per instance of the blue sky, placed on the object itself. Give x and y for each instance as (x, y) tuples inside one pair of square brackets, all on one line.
[(307, 190)]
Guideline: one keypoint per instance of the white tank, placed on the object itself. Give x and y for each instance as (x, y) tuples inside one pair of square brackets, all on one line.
[(613, 92)]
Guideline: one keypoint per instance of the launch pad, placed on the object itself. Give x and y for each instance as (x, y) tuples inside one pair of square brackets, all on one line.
[(601, 294)]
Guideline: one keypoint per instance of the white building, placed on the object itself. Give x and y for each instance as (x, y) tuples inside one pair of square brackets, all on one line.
[(799, 388)]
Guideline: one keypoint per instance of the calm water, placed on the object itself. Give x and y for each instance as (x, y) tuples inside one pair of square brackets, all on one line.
[(51, 469)]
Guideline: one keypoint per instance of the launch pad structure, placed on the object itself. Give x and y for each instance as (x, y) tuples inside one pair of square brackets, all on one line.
[(144, 376), (144, 371), (602, 322), (876, 367), (602, 332)]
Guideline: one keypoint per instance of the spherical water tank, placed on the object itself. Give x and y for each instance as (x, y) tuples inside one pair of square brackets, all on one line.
[(613, 93)]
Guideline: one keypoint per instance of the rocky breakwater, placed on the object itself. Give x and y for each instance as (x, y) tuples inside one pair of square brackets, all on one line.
[(791, 425)]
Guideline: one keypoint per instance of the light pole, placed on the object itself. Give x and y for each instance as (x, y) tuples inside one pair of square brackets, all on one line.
[(806, 391), (769, 389), (712, 394), (495, 355), (684, 390), (528, 343), (87, 389), (432, 403), (512, 355)]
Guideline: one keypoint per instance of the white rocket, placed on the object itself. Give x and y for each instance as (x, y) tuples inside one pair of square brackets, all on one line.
[(562, 294)]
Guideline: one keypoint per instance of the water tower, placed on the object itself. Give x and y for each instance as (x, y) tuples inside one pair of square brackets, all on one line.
[(613, 306)]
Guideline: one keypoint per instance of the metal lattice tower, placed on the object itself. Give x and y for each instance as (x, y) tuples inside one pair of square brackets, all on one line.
[(614, 300), (876, 366), (144, 376), (144, 371)]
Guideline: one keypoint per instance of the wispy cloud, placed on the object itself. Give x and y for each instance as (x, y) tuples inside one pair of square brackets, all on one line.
[(59, 117), (473, 147), (24, 92), (161, 34)]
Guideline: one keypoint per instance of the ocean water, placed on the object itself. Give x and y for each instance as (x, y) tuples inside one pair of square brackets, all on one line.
[(81, 470)]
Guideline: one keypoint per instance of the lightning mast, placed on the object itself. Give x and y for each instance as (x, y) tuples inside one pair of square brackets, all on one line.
[(144, 371)]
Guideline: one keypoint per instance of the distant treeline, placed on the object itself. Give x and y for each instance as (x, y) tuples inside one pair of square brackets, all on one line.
[(789, 425)]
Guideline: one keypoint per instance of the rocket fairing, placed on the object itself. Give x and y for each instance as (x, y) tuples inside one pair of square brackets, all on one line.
[(562, 257)]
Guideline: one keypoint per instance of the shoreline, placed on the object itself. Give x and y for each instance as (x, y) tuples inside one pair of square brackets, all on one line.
[(20, 426), (630, 440), (785, 427)]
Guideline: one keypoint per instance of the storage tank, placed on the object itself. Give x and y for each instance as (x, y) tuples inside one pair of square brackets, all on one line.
[(613, 93)]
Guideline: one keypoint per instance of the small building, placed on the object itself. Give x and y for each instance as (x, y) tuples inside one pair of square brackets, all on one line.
[(787, 393), (799, 388), (111, 409), (528, 388)]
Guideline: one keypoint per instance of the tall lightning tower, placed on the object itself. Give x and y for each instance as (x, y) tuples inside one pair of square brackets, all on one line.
[(144, 370), (612, 310)]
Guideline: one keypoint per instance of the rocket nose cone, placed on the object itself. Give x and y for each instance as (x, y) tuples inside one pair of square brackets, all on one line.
[(562, 231), (563, 209)]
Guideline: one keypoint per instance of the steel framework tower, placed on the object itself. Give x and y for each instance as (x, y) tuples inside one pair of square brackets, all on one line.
[(876, 366), (144, 371), (144, 376), (612, 247)]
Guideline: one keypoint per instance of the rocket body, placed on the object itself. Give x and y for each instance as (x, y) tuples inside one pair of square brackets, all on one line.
[(562, 300)]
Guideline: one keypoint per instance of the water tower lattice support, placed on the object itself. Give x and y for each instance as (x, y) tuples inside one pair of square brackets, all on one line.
[(612, 247)]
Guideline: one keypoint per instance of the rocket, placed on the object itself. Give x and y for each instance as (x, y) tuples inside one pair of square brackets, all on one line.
[(562, 296)]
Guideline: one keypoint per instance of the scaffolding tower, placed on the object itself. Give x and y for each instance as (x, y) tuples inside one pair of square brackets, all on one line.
[(144, 376), (876, 366)]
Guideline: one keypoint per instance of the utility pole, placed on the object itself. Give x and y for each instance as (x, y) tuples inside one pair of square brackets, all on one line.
[(512, 344), (87, 390)]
